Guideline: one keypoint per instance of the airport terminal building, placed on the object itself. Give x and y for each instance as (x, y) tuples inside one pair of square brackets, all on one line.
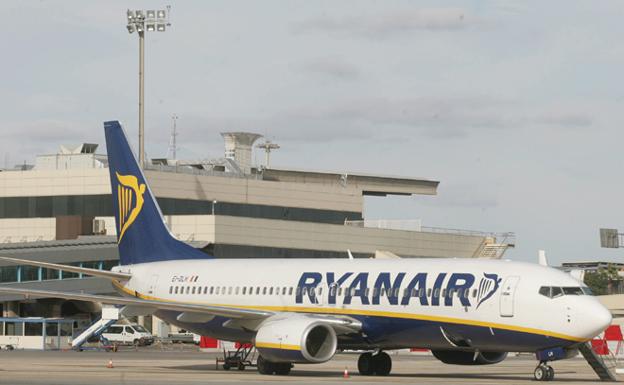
[(60, 210)]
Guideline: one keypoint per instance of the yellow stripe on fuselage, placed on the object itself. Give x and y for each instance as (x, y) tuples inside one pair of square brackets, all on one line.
[(270, 345), (374, 313)]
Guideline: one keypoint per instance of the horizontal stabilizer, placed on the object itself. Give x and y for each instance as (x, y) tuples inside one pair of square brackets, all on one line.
[(74, 269), (143, 303)]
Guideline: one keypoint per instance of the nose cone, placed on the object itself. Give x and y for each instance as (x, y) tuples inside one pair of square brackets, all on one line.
[(599, 318)]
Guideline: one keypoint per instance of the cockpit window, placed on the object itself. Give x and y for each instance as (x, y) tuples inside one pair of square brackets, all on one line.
[(572, 291), (556, 291)]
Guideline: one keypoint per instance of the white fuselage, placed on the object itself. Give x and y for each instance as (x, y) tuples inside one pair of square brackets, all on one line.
[(402, 303)]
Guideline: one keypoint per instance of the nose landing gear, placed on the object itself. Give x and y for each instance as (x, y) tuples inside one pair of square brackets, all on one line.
[(544, 372)]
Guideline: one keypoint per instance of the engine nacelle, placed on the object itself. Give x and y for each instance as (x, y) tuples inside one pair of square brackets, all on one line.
[(296, 338), (455, 357)]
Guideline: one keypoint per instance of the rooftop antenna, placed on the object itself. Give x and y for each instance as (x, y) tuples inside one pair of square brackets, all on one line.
[(268, 146), (172, 142)]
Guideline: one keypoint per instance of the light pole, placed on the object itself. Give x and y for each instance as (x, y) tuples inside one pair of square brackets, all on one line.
[(142, 21)]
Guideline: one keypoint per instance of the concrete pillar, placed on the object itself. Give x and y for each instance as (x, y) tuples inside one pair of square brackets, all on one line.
[(141, 320), (159, 327), (10, 309)]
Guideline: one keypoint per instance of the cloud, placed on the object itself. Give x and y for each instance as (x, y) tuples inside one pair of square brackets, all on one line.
[(333, 67), (390, 24)]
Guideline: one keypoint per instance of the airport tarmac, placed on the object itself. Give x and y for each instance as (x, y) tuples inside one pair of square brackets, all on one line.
[(154, 367)]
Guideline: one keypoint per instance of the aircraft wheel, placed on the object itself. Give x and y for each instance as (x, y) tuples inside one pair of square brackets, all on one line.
[(283, 369), (544, 372), (540, 373), (264, 366), (382, 364), (365, 364), (241, 366), (551, 373)]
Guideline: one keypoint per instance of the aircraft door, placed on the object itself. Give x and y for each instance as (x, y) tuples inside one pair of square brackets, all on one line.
[(507, 296), (152, 284)]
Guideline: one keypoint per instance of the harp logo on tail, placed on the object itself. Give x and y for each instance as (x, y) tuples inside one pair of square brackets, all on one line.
[(130, 201), (487, 287)]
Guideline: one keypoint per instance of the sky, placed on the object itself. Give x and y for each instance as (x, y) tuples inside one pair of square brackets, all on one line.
[(515, 107)]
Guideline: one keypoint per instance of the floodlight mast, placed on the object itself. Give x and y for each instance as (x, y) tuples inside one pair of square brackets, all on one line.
[(142, 21)]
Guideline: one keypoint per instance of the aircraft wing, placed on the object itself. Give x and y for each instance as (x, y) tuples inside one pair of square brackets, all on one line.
[(224, 311), (73, 269)]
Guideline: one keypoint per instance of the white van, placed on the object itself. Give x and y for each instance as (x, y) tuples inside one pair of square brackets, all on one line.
[(128, 334)]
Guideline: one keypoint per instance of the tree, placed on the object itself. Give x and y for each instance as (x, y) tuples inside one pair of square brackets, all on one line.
[(603, 280)]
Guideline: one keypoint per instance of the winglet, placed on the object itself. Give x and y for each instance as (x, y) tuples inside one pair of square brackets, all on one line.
[(541, 258)]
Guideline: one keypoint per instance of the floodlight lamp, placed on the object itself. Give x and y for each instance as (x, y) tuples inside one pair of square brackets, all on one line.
[(161, 14), (150, 27), (151, 14), (130, 28), (140, 14), (160, 27), (139, 27), (130, 15)]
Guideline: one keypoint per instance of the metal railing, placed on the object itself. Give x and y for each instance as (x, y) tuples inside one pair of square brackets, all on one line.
[(415, 225)]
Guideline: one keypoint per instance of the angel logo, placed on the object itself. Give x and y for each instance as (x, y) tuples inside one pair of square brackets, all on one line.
[(130, 201), (487, 287)]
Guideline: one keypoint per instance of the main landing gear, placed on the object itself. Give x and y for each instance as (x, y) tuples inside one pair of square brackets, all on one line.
[(544, 372), (268, 367), (379, 364)]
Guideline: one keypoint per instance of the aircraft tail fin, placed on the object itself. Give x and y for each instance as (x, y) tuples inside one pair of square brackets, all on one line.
[(142, 234)]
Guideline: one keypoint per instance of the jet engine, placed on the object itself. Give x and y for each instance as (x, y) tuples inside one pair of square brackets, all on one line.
[(455, 357), (295, 338)]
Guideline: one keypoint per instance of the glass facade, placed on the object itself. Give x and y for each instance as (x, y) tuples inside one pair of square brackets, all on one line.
[(26, 273), (101, 206)]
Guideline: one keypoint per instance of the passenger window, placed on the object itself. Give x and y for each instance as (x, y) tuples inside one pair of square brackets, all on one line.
[(367, 292), (290, 290), (264, 290), (474, 293), (176, 290), (339, 291), (332, 291), (205, 289), (436, 293), (193, 291), (587, 290), (218, 290), (230, 290), (211, 290), (428, 292), (298, 290), (320, 291), (257, 290), (270, 290), (444, 293), (170, 289), (556, 292), (188, 289), (284, 290), (244, 290)]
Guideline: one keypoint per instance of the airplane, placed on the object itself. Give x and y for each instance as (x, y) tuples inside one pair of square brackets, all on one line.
[(304, 311)]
